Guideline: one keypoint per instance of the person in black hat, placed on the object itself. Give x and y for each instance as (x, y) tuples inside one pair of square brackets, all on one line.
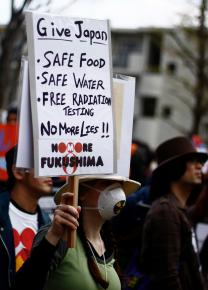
[(169, 250)]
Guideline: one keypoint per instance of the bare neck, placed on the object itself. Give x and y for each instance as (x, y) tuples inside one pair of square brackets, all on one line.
[(92, 224), (92, 234), (25, 199)]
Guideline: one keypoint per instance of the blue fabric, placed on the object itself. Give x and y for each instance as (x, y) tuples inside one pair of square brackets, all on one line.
[(127, 227), (132, 278), (134, 209)]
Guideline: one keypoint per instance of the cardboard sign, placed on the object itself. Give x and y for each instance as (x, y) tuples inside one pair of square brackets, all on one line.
[(71, 89), (123, 97)]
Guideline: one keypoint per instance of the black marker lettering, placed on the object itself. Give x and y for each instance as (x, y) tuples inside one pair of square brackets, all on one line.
[(78, 23), (45, 55), (41, 30)]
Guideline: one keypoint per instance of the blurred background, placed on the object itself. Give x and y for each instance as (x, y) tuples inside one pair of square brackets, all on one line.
[(163, 44)]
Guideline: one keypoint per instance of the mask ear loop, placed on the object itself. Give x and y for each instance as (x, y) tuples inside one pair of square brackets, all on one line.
[(90, 187), (112, 186)]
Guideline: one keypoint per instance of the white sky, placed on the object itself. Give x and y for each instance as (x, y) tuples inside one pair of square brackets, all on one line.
[(122, 13)]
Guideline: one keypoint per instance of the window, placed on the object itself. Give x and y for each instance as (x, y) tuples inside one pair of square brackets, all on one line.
[(123, 46), (154, 53), (204, 131), (171, 68), (148, 106), (166, 112)]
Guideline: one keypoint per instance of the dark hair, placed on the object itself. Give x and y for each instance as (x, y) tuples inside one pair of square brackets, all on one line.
[(141, 158), (93, 268), (10, 161), (12, 110), (161, 179)]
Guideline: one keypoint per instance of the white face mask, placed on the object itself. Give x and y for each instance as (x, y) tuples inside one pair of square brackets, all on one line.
[(110, 202)]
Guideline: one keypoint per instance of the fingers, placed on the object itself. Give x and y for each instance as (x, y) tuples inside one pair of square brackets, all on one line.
[(63, 221), (66, 215), (65, 218)]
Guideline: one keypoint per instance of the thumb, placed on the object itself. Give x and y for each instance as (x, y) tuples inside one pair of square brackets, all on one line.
[(67, 198)]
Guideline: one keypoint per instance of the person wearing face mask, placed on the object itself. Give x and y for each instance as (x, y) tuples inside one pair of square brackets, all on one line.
[(92, 263)]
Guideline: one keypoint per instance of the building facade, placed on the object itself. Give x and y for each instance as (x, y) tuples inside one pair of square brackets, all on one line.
[(163, 103)]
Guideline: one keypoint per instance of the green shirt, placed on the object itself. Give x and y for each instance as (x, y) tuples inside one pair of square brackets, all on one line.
[(73, 273)]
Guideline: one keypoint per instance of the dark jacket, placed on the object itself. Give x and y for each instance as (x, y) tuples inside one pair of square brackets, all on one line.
[(43, 260), (168, 256), (7, 249)]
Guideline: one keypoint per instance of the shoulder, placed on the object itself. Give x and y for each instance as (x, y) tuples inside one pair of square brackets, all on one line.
[(4, 201), (162, 219), (5, 196), (163, 208), (164, 202)]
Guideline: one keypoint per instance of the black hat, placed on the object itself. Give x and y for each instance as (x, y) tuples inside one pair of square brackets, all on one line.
[(175, 149)]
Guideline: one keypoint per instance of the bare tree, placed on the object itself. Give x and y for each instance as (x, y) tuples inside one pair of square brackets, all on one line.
[(201, 67), (12, 46), (196, 61)]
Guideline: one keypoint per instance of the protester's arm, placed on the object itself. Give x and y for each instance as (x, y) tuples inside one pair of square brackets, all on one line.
[(33, 274)]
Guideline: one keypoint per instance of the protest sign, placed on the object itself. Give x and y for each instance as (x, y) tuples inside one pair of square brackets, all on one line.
[(123, 96), (71, 89)]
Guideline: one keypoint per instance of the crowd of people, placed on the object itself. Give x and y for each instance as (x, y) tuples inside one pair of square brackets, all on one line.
[(131, 233)]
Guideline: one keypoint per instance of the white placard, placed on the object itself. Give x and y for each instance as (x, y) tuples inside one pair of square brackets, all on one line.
[(25, 139), (71, 88), (123, 96)]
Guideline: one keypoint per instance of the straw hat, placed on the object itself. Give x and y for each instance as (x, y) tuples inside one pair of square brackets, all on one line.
[(129, 186)]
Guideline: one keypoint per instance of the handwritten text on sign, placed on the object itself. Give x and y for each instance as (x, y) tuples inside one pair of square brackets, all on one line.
[(70, 80)]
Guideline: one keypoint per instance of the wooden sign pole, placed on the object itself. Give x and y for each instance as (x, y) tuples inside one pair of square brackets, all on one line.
[(73, 187)]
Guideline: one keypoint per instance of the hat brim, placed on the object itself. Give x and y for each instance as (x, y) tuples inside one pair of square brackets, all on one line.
[(201, 156), (129, 186)]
